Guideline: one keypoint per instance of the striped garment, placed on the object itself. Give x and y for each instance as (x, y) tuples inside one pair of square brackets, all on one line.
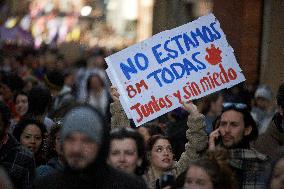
[(250, 168)]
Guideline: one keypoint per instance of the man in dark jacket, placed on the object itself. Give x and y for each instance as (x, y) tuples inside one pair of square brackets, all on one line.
[(85, 145), (17, 161), (272, 141), (236, 130)]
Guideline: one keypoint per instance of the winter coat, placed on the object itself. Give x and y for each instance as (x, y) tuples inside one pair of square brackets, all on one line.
[(103, 177), (18, 162)]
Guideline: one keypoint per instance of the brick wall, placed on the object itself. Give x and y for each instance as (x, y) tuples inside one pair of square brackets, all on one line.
[(241, 21)]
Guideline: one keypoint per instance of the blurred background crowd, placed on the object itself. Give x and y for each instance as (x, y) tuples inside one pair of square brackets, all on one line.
[(52, 56)]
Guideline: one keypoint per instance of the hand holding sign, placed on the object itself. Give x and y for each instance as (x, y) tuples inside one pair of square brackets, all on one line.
[(114, 94), (186, 63), (190, 107)]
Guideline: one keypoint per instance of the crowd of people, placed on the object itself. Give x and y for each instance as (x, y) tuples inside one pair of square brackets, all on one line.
[(62, 126)]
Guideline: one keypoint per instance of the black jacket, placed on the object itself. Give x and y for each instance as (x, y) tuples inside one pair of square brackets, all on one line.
[(18, 162), (101, 178)]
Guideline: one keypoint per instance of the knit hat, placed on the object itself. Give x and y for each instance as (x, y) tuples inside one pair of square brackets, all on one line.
[(263, 91), (83, 119)]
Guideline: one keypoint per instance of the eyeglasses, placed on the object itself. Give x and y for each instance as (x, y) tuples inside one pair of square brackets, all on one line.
[(238, 106)]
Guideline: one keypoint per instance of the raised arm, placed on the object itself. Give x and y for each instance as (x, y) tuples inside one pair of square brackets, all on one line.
[(118, 116), (196, 136)]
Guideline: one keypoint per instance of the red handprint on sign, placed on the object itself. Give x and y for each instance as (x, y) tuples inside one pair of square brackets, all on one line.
[(214, 55)]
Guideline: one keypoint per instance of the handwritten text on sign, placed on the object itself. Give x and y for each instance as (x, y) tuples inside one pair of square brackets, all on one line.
[(187, 62)]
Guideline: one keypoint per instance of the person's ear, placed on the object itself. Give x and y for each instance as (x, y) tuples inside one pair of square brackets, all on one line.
[(248, 130)]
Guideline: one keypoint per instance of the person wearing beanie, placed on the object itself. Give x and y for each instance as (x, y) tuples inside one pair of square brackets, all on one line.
[(85, 145), (272, 140), (263, 111)]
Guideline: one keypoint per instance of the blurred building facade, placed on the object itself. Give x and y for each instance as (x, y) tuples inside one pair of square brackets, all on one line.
[(254, 28)]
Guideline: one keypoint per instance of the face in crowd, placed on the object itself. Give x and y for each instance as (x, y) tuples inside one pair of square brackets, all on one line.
[(160, 155), (197, 178), (5, 92), (123, 155), (30, 133), (95, 82), (79, 150), (82, 137), (232, 128), (211, 172), (31, 138), (262, 103), (127, 150), (21, 104)]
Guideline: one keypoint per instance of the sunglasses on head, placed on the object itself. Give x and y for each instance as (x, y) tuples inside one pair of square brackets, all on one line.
[(238, 106)]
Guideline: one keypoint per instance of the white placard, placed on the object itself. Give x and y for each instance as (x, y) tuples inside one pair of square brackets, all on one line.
[(188, 62)]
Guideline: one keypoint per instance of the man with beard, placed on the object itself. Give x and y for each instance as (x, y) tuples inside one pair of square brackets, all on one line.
[(85, 146), (17, 161), (235, 131)]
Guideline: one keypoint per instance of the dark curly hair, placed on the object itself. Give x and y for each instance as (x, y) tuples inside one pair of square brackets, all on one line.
[(19, 128), (40, 156)]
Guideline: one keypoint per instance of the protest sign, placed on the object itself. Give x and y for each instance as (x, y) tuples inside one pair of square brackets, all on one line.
[(185, 63)]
